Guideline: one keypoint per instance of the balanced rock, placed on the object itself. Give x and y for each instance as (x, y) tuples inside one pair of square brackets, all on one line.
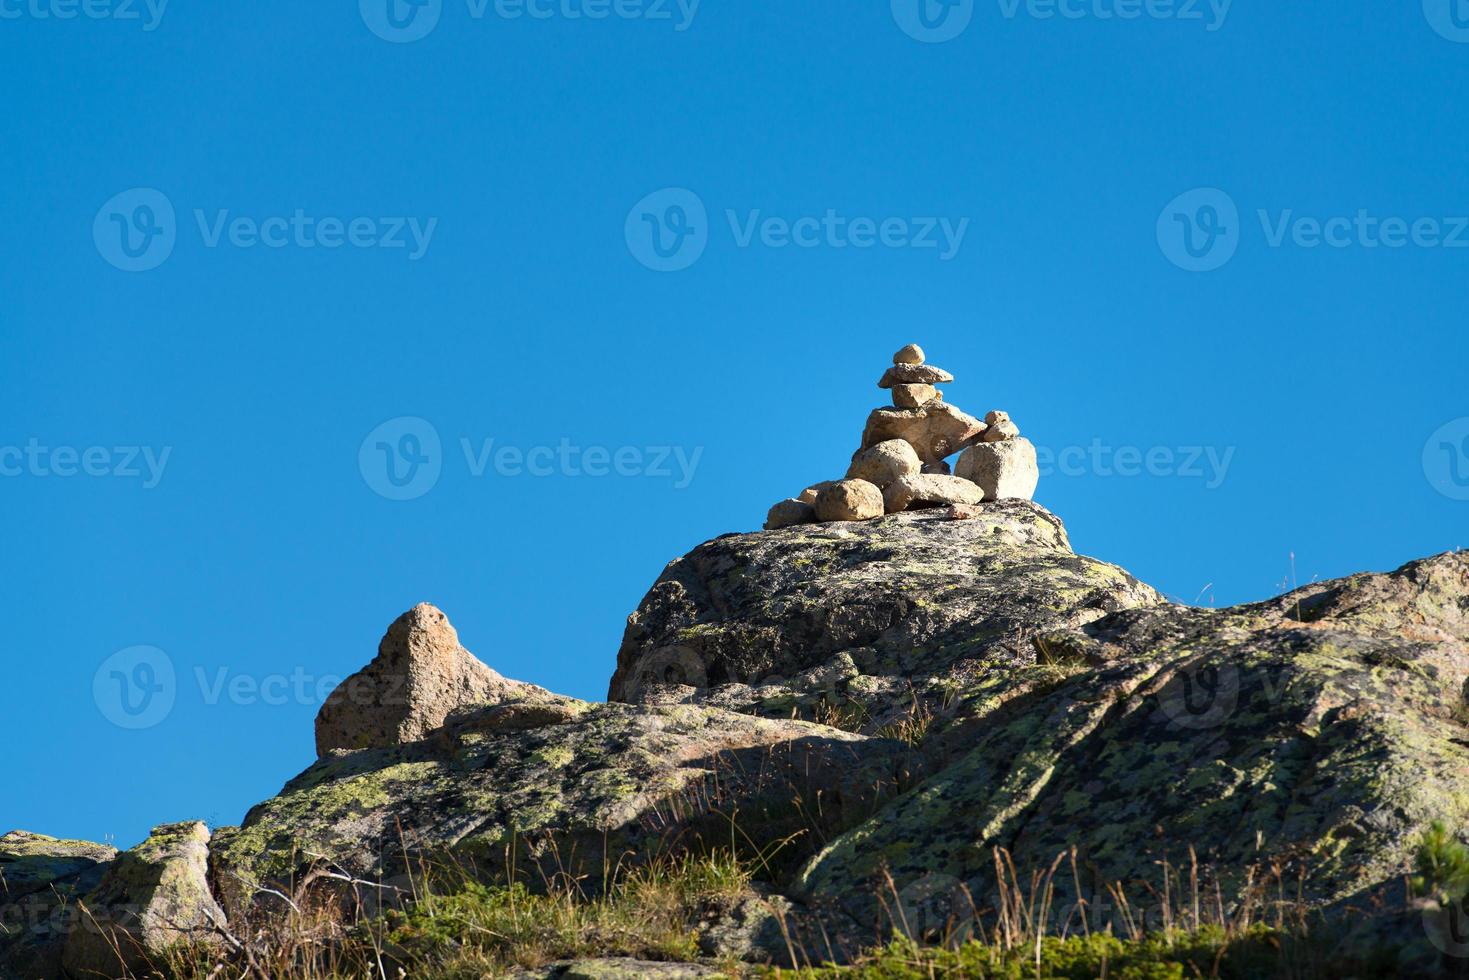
[(912, 354), (1000, 427), (151, 898), (1003, 470), (911, 396), (789, 513), (849, 500), (914, 374), (929, 490), (885, 463), (420, 676), (934, 430)]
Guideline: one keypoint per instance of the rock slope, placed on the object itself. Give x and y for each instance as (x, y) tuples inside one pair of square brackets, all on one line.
[(897, 698)]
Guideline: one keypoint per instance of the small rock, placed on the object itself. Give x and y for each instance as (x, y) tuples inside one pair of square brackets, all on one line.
[(914, 374), (1000, 427), (963, 512), (884, 463), (930, 491), (808, 496), (789, 513), (941, 468), (911, 396), (912, 354), (849, 500), (1003, 470)]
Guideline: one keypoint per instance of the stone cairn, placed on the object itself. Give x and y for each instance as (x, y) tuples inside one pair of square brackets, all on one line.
[(902, 461)]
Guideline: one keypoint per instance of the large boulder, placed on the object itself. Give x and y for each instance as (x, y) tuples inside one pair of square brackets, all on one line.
[(152, 897), (420, 676), (41, 879), (885, 463), (861, 616), (1004, 470)]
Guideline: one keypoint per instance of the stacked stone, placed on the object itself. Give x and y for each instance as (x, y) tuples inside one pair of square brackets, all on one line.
[(901, 463)]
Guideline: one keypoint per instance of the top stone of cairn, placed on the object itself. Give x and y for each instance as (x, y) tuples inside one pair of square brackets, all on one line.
[(912, 354)]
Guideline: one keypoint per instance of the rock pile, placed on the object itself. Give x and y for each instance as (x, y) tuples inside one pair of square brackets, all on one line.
[(901, 463)]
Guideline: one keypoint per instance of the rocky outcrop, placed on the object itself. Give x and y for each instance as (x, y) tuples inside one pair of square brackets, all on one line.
[(894, 698), (861, 617), (420, 676), (564, 785), (1061, 702), (152, 897), (41, 879)]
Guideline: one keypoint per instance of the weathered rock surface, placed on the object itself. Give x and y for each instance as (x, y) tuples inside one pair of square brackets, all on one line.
[(979, 686), (885, 463), (40, 880), (1003, 470), (1063, 703), (935, 429), (421, 675), (575, 785), (152, 897), (849, 500), (929, 490), (852, 614), (1321, 731)]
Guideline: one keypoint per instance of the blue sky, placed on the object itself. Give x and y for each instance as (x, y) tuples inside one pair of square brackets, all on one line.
[(246, 246)]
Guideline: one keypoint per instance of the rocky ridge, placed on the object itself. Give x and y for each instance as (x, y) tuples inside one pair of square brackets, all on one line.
[(893, 697)]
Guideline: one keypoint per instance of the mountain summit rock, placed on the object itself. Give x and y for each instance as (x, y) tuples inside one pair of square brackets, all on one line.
[(420, 676), (887, 703)]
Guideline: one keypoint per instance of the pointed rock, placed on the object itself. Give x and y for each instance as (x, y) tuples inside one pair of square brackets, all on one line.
[(421, 675)]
